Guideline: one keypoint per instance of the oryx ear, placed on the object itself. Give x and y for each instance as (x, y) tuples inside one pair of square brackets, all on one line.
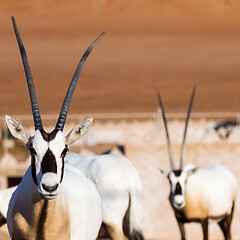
[(164, 173), (192, 171), (17, 130), (78, 131)]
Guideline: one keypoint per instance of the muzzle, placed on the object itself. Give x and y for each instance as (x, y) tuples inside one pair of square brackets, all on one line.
[(49, 186)]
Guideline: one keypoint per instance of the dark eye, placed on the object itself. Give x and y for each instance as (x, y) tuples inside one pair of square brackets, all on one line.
[(32, 151), (64, 152)]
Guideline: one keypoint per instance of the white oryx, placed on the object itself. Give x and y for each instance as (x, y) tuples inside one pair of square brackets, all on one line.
[(120, 188), (200, 194), (54, 200)]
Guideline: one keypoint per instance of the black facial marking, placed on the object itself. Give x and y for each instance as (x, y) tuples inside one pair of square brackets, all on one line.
[(33, 169), (177, 173), (49, 163), (178, 189), (62, 170), (48, 136), (64, 152), (32, 151)]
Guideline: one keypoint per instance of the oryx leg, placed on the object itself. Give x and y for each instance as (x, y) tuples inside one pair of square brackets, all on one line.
[(224, 228), (204, 223), (114, 232), (225, 225), (114, 207), (182, 230), (2, 220)]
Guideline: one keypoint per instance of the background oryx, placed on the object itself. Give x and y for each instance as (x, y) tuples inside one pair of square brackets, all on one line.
[(120, 188), (200, 194), (54, 200)]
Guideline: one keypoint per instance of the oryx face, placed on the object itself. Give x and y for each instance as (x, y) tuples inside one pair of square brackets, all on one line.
[(48, 151), (178, 180)]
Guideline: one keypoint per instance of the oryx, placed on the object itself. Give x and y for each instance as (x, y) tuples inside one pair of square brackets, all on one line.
[(54, 200), (120, 188), (199, 194)]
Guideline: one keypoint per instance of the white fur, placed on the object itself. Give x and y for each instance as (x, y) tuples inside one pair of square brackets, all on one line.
[(75, 195), (213, 187), (208, 194), (116, 179), (5, 196), (82, 198)]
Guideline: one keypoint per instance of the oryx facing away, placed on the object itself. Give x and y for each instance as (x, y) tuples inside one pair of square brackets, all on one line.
[(200, 194), (54, 199), (120, 189)]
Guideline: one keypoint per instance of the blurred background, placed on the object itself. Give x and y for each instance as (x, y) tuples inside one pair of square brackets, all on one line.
[(149, 46)]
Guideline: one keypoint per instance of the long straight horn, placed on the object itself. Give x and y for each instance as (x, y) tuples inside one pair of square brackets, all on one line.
[(31, 88), (185, 130), (64, 111), (166, 129)]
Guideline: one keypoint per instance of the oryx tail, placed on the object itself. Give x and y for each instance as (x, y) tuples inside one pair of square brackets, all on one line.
[(135, 221)]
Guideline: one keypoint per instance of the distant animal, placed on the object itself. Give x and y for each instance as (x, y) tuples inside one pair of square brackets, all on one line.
[(119, 147), (200, 194), (223, 128), (54, 199)]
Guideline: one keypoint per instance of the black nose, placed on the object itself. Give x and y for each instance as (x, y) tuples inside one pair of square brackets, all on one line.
[(179, 204), (49, 188)]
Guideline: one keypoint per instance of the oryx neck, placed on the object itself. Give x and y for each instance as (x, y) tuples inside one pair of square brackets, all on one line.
[(45, 213)]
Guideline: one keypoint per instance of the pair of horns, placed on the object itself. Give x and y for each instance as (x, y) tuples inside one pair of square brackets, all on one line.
[(33, 97), (185, 130)]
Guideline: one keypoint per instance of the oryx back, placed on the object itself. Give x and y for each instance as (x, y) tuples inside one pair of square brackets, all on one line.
[(119, 186), (210, 192)]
